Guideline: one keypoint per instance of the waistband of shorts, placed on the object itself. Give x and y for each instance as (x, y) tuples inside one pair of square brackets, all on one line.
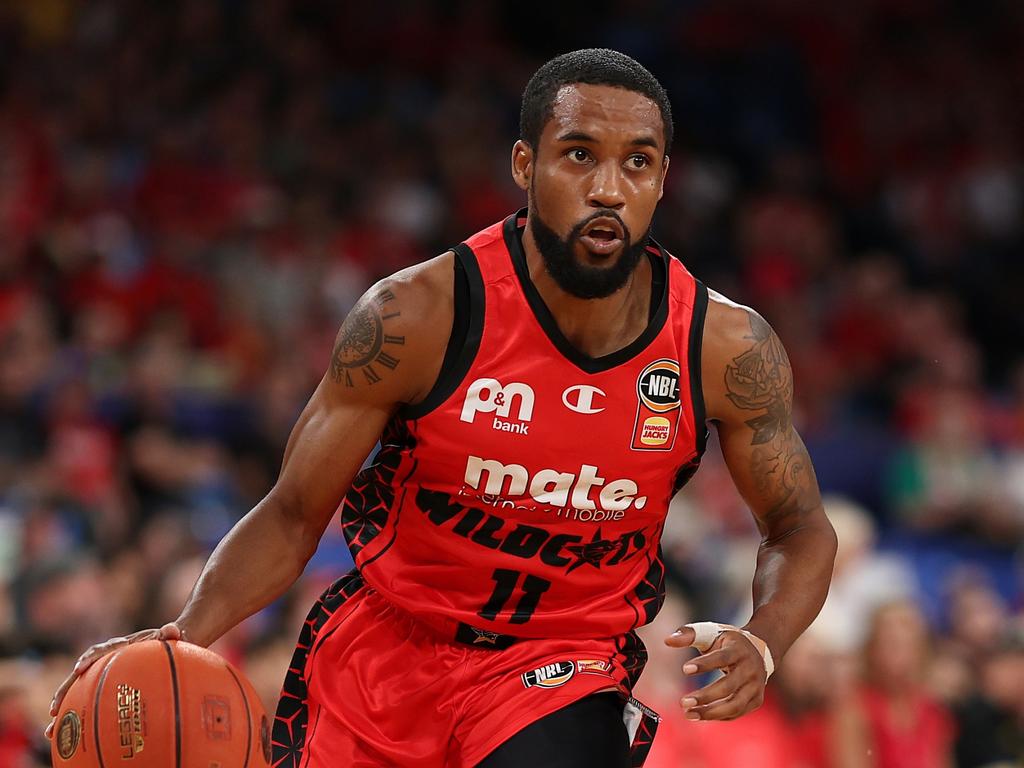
[(450, 629), (483, 638)]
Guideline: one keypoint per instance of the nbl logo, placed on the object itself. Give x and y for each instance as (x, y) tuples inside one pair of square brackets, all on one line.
[(658, 409), (658, 386), (489, 396)]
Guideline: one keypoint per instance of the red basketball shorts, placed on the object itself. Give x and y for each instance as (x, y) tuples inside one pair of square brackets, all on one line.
[(369, 685)]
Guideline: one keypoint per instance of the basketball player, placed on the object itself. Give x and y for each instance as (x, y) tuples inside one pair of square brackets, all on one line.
[(540, 393)]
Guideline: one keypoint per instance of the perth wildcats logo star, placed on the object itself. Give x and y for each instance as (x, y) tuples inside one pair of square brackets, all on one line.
[(658, 407)]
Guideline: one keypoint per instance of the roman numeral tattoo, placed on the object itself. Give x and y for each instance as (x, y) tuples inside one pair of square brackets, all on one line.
[(361, 341)]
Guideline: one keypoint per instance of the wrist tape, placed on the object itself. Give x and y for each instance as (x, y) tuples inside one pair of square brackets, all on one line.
[(706, 632)]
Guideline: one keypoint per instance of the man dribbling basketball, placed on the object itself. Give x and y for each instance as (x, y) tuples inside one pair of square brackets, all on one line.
[(540, 393)]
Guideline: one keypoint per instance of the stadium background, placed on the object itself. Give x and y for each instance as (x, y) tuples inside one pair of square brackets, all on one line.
[(193, 194)]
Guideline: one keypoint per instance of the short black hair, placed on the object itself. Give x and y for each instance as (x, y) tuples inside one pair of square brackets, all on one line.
[(594, 66)]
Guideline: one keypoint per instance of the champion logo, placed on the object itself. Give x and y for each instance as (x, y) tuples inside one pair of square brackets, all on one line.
[(580, 398)]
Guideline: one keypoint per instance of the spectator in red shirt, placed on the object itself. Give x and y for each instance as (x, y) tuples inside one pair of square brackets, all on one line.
[(908, 728)]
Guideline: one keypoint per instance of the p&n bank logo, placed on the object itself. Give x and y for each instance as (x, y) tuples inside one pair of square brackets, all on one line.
[(489, 396)]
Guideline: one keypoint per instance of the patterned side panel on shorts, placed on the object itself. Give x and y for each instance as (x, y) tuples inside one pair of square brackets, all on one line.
[(289, 735), (365, 509), (632, 654), (642, 741)]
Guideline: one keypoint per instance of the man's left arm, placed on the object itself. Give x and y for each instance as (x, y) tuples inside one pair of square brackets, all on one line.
[(748, 392)]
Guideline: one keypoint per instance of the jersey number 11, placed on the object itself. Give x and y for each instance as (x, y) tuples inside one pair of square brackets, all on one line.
[(505, 583)]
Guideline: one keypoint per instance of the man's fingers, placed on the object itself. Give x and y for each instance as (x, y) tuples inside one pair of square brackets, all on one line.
[(681, 638), (99, 651), (85, 661), (49, 730), (722, 688), (720, 659), (58, 697), (725, 709), (746, 699), (169, 631)]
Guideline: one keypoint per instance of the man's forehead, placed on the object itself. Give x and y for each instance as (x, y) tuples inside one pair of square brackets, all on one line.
[(605, 105)]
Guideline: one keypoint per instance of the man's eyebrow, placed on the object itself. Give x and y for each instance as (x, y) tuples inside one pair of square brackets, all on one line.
[(645, 141), (640, 141), (576, 136)]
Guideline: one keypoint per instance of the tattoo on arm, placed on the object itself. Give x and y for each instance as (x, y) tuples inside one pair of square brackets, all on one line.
[(761, 380), (362, 340)]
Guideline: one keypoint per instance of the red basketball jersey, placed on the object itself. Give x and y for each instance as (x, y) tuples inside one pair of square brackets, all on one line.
[(527, 495)]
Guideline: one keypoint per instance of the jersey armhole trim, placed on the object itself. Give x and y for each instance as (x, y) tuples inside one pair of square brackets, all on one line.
[(464, 342), (696, 342)]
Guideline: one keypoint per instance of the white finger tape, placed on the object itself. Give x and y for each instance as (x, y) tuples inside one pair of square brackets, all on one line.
[(706, 633)]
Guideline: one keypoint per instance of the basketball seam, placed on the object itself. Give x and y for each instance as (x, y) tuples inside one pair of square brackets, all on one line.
[(248, 715), (96, 708), (177, 704)]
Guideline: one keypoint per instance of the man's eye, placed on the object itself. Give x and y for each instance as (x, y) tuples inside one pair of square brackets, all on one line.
[(639, 161), (579, 155)]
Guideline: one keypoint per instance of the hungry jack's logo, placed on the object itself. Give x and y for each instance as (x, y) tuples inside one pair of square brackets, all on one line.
[(658, 407)]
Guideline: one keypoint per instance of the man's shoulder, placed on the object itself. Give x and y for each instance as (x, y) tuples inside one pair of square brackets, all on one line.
[(739, 349), (428, 285), (423, 298), (730, 326), (392, 342)]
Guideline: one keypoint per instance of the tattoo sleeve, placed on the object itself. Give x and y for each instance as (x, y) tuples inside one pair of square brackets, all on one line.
[(364, 350), (761, 381), (773, 472)]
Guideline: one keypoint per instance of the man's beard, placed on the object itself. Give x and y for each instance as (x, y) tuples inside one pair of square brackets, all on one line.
[(582, 280)]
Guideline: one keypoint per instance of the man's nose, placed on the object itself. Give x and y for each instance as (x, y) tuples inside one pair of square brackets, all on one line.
[(606, 187)]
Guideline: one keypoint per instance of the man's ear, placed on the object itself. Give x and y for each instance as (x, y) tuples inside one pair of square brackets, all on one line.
[(522, 164), (664, 173)]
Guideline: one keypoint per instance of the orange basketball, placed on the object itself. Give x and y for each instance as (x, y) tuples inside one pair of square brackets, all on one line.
[(161, 704)]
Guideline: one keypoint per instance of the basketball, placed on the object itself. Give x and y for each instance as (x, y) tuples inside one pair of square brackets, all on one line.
[(161, 704)]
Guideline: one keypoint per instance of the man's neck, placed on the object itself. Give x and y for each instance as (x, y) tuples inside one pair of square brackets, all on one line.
[(595, 327)]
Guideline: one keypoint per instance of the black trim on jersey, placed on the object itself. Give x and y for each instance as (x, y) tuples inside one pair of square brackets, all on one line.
[(700, 310), (467, 330), (513, 241), (659, 281)]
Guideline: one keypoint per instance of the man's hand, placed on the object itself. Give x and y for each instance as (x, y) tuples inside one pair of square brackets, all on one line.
[(738, 691), (170, 631)]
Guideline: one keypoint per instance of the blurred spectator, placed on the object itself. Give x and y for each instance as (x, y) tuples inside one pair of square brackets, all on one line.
[(906, 727), (991, 723), (863, 580)]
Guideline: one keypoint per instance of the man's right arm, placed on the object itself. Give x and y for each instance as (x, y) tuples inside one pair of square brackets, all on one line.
[(387, 353)]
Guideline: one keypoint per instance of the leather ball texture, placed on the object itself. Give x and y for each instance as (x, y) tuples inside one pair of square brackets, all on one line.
[(161, 704)]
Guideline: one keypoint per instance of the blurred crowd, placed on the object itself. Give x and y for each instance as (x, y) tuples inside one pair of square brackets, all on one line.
[(193, 194)]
